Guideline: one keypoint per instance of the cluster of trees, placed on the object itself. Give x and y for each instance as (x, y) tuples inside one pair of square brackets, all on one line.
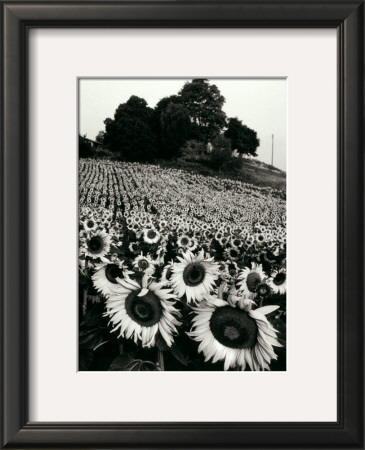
[(138, 132)]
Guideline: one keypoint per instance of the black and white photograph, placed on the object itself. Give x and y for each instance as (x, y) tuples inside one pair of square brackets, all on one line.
[(182, 224)]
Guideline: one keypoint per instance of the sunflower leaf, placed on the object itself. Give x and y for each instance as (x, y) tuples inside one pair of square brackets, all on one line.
[(126, 362), (114, 249), (174, 350), (94, 318), (161, 343), (86, 358), (91, 339), (176, 353)]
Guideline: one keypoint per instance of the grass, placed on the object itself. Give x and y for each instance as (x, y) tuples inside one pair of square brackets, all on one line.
[(252, 172)]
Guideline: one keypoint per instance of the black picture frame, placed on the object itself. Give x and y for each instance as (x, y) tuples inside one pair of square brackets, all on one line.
[(17, 17)]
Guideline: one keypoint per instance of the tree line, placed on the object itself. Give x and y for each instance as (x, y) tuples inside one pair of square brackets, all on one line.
[(140, 133)]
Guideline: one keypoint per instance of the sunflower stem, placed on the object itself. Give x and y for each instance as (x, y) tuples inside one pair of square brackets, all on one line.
[(260, 301), (160, 360)]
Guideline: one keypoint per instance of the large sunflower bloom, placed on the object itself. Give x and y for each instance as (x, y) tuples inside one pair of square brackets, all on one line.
[(235, 334), (277, 281), (140, 312), (106, 274), (250, 279), (97, 245), (194, 276)]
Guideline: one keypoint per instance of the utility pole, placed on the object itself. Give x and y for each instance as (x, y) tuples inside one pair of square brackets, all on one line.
[(272, 149)]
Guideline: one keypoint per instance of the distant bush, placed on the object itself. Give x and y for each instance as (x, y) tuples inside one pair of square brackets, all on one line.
[(221, 158), (106, 154), (193, 150)]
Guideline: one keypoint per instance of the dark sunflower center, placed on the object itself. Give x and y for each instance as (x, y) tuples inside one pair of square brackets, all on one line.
[(143, 310), (233, 253), (151, 234), (143, 264), (95, 244), (231, 333), (184, 241), (90, 223), (112, 271), (194, 274), (146, 310), (280, 278), (233, 328), (236, 242), (253, 280)]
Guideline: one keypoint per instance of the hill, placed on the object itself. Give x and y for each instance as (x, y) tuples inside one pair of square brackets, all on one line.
[(252, 171)]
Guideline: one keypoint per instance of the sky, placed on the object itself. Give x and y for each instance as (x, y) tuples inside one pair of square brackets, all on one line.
[(261, 104)]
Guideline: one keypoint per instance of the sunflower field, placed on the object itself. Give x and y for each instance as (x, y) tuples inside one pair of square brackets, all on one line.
[(179, 271)]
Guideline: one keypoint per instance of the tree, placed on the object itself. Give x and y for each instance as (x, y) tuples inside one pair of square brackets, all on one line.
[(243, 139), (130, 134), (165, 102), (204, 103), (175, 128), (100, 137), (156, 120)]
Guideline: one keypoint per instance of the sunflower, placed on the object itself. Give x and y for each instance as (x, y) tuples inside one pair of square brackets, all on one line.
[(277, 281), (194, 276), (133, 247), (235, 334), (142, 263), (151, 236), (218, 235), (250, 279), (184, 241), (82, 234), (89, 224), (140, 312), (223, 241), (193, 244), (166, 275), (106, 274), (236, 242), (232, 254), (97, 245)]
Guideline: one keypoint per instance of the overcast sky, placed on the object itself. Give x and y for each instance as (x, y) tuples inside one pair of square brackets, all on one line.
[(261, 104)]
